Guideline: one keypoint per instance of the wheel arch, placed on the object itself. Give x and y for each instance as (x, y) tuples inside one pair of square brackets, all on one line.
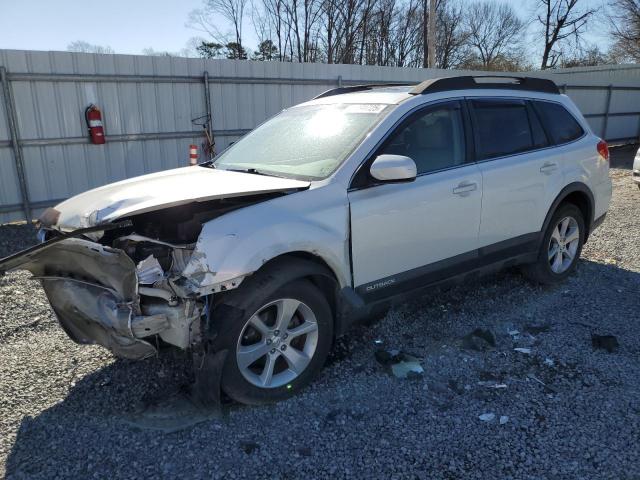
[(581, 196), (301, 265)]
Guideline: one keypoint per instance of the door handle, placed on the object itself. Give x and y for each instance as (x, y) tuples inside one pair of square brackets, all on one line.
[(465, 188), (549, 167)]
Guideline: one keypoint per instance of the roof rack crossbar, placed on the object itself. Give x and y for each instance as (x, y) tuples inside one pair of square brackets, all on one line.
[(358, 88), (486, 82)]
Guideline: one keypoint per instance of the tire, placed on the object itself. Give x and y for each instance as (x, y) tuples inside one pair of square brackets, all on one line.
[(546, 269), (246, 321)]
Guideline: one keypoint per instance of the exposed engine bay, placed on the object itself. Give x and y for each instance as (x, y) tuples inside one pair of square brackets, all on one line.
[(123, 285)]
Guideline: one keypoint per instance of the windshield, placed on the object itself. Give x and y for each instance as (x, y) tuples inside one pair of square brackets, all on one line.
[(306, 142)]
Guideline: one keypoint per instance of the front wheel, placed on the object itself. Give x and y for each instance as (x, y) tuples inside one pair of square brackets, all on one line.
[(279, 344), (561, 247)]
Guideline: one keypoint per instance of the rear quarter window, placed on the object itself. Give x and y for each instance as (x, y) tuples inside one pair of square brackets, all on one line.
[(560, 125), (501, 127)]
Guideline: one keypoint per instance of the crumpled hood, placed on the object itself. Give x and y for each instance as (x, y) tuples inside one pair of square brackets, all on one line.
[(162, 190)]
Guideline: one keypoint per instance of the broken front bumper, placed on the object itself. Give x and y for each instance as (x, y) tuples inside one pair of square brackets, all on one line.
[(93, 291)]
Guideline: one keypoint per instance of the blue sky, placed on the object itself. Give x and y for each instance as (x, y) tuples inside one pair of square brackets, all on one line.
[(127, 26)]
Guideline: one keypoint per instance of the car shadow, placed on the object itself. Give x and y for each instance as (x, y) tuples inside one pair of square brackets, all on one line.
[(111, 398)]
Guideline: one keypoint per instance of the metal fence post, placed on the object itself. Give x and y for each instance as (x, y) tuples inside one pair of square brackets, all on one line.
[(15, 142), (207, 101), (606, 113)]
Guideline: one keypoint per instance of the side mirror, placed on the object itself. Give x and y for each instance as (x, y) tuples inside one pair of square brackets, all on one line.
[(393, 168)]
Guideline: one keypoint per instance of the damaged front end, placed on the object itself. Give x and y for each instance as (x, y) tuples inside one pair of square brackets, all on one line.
[(115, 261), (127, 285), (100, 296)]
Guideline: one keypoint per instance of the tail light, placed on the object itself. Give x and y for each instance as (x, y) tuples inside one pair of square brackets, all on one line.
[(603, 149)]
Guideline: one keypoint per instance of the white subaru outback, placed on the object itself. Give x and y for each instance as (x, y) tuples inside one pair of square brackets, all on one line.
[(257, 261)]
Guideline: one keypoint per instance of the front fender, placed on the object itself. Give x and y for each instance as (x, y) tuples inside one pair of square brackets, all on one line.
[(237, 244)]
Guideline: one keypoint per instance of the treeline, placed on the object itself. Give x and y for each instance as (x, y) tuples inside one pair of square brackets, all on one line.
[(469, 34), (480, 34)]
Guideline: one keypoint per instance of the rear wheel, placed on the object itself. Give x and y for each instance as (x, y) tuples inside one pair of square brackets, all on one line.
[(560, 248), (278, 345)]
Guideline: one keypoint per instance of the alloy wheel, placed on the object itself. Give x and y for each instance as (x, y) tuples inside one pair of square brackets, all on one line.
[(277, 343), (563, 245)]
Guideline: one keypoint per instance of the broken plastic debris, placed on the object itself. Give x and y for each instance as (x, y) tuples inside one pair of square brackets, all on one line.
[(549, 362), (606, 342), (171, 414), (492, 384), (487, 417), (526, 351), (547, 387), (503, 419), (149, 271), (400, 364)]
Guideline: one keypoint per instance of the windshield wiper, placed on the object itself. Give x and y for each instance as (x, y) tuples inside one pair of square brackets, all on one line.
[(253, 171)]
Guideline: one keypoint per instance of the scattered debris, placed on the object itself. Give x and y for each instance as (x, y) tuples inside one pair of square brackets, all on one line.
[(526, 351), (480, 339), (400, 364), (547, 387), (549, 362), (606, 342), (487, 417), (492, 384), (503, 419), (174, 413), (514, 333)]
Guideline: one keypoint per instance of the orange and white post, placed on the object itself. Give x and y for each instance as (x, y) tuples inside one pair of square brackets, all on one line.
[(193, 154)]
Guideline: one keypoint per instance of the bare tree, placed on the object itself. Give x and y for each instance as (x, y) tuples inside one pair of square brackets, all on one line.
[(451, 38), (560, 20), (625, 28), (494, 31), (85, 47), (231, 10)]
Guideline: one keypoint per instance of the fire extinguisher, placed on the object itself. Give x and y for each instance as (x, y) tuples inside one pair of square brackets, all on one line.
[(94, 123)]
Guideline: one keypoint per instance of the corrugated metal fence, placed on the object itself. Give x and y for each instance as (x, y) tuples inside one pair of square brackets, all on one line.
[(148, 104)]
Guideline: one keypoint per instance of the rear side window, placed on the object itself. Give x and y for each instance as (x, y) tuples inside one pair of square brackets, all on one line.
[(559, 124), (501, 127)]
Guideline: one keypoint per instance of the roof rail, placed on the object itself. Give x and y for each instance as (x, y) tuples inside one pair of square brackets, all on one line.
[(483, 82), (358, 88)]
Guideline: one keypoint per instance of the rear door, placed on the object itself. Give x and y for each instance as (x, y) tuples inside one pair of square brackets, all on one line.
[(406, 234), (520, 172)]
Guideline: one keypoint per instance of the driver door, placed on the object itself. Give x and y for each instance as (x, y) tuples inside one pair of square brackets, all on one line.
[(404, 235)]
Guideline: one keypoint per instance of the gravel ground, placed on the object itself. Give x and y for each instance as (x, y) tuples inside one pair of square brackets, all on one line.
[(573, 410)]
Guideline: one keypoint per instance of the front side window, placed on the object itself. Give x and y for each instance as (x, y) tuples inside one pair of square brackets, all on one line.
[(501, 128), (308, 141), (560, 124), (433, 139)]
